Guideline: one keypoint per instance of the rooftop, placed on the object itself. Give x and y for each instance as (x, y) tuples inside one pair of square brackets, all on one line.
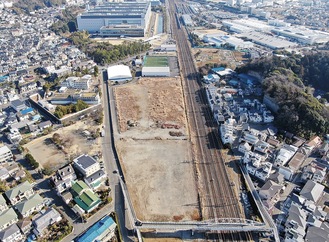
[(97, 229), (84, 161)]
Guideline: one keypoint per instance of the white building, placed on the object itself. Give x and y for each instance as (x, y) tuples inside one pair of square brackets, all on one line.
[(86, 165), (155, 71), (226, 131), (5, 154), (14, 136), (73, 82), (285, 154), (116, 14), (119, 73)]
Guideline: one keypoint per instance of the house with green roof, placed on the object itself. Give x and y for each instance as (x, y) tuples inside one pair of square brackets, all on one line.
[(78, 187), (7, 218), (84, 197), (19, 193), (27, 207)]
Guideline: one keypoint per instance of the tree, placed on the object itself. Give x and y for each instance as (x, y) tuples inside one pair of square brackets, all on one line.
[(96, 71), (30, 159)]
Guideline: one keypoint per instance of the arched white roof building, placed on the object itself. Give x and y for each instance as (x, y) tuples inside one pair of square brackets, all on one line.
[(119, 73)]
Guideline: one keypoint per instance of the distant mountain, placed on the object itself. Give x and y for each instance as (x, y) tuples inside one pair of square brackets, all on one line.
[(31, 5)]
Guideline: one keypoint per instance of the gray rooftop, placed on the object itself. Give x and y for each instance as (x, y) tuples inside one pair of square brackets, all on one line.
[(85, 161), (5, 234), (46, 219), (312, 191), (95, 176)]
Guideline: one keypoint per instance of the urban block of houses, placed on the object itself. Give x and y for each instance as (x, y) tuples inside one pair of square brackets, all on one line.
[(7, 218), (103, 230), (11, 234), (84, 197), (33, 204), (64, 178), (5, 154), (41, 223), (19, 193), (255, 165)]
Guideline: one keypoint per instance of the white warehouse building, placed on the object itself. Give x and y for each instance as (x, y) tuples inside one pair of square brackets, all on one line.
[(115, 14), (119, 73), (156, 71)]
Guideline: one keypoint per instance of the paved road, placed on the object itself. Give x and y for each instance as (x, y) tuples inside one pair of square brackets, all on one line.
[(110, 162)]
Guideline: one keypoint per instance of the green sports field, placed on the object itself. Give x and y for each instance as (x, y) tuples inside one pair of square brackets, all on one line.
[(155, 61)]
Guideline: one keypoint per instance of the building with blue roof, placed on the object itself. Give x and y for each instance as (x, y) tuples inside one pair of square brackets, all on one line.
[(102, 230), (27, 111)]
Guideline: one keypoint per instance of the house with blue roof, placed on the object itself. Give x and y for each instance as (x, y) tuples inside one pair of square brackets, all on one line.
[(103, 230)]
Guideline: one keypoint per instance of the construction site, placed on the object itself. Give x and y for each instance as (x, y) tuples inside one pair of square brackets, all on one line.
[(152, 140)]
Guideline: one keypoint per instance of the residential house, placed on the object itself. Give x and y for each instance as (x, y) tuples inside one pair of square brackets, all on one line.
[(19, 175), (44, 125), (285, 154), (86, 165), (84, 197), (244, 147), (264, 170), (5, 154), (95, 180), (14, 136), (277, 178), (12, 168), (318, 234), (100, 231), (25, 225), (270, 192), (27, 207), (312, 191), (3, 204), (46, 219), (226, 131), (18, 105), (7, 218), (19, 193), (67, 197), (314, 172), (295, 224), (64, 178), (11, 234), (314, 142), (4, 174), (324, 148)]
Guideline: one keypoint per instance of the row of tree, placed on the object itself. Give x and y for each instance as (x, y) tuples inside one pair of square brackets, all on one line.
[(62, 110), (103, 53)]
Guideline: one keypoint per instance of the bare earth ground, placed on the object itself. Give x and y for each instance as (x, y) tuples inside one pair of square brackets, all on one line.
[(159, 176), (47, 154), (218, 56)]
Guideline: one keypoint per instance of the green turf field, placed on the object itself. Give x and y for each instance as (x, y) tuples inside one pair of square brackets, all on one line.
[(155, 61)]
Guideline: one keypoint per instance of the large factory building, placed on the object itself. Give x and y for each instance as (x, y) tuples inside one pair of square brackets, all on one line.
[(117, 18)]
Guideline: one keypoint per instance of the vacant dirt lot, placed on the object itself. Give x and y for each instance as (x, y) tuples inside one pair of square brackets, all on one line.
[(75, 143), (150, 103), (159, 179), (231, 58), (157, 164)]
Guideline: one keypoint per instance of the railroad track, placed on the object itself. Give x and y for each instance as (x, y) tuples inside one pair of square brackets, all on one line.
[(218, 199)]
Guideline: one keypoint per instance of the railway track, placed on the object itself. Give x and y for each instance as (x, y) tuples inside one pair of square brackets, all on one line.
[(217, 199)]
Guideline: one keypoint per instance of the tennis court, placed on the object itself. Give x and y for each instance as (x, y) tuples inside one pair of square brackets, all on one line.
[(155, 61)]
